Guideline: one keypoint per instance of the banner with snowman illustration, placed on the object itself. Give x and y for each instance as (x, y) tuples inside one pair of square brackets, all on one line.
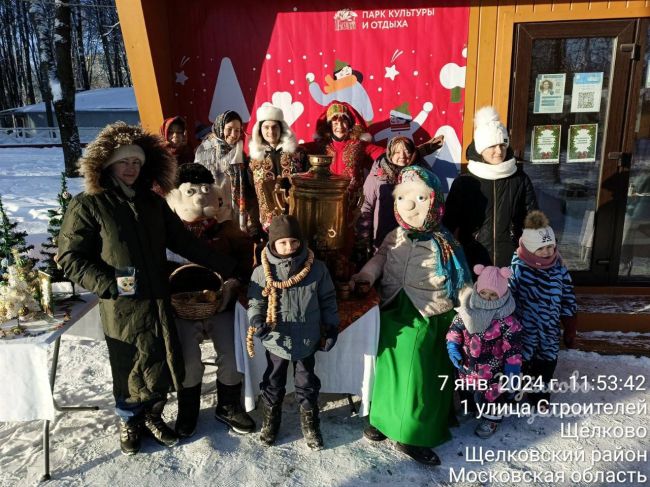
[(403, 69)]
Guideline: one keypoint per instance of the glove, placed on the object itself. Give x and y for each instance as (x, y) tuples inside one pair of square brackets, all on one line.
[(229, 291), (570, 324), (431, 145), (453, 349), (360, 276), (262, 330), (330, 340)]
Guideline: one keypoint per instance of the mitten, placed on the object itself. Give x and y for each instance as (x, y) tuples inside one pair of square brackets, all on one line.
[(229, 291), (361, 276), (570, 324), (456, 357), (431, 145), (262, 329), (330, 340)]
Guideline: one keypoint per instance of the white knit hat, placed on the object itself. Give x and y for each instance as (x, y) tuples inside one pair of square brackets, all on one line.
[(488, 129), (124, 151), (536, 238)]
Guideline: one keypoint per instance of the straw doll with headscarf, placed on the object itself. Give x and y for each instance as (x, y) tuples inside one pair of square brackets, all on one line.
[(422, 269)]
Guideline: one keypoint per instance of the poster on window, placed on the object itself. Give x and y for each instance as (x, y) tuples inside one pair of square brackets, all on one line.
[(549, 93), (301, 56), (587, 90), (545, 144), (581, 145)]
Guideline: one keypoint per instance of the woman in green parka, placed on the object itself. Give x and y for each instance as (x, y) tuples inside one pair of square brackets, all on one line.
[(422, 268), (113, 242)]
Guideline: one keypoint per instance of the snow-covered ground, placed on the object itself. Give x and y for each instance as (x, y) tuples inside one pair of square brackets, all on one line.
[(85, 450)]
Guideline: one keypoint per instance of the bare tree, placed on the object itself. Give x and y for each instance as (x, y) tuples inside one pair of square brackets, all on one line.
[(37, 11), (64, 97)]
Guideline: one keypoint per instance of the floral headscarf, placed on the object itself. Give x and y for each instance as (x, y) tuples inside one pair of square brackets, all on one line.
[(220, 123), (389, 170), (451, 261)]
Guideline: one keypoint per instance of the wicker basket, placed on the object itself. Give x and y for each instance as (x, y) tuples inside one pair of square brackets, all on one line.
[(190, 302)]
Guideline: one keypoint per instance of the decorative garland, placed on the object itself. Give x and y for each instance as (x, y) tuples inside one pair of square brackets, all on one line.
[(270, 291)]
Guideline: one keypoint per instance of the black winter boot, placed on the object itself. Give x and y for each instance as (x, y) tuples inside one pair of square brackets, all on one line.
[(271, 423), (130, 435), (189, 405), (420, 454), (156, 427), (310, 426), (230, 411)]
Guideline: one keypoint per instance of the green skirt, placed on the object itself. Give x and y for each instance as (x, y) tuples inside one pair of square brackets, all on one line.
[(409, 403)]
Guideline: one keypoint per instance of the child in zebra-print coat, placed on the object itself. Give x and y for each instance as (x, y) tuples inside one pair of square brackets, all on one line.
[(543, 292)]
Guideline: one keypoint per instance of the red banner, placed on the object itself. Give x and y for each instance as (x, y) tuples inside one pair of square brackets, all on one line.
[(403, 69)]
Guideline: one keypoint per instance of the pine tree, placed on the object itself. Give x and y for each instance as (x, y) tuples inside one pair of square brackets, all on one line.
[(10, 239), (54, 227)]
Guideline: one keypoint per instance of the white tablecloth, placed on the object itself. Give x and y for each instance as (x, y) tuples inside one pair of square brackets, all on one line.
[(348, 368), (24, 372)]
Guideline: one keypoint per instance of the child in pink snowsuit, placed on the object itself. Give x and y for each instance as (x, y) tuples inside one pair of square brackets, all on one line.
[(483, 341)]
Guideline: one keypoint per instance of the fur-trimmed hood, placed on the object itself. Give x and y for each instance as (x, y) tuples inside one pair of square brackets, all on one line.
[(159, 166), (257, 145)]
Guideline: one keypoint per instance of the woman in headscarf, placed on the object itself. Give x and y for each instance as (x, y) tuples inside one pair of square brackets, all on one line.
[(422, 269), (222, 152), (377, 217)]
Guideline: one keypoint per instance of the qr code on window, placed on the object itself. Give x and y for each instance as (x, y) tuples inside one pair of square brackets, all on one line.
[(586, 100)]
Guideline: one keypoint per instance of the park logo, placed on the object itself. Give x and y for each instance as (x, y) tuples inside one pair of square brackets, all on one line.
[(345, 19)]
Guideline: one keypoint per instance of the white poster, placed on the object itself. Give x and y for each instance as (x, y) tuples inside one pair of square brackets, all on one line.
[(587, 90), (549, 93)]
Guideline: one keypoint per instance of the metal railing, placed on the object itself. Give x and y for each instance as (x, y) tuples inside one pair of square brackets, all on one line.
[(31, 136)]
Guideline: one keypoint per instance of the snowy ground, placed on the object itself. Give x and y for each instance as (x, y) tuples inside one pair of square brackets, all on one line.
[(85, 448), (30, 179)]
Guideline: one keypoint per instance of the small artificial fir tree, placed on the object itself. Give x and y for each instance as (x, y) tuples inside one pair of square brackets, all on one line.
[(10, 239), (54, 227), (19, 292)]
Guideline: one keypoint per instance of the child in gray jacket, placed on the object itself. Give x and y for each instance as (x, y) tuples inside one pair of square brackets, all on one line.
[(291, 298)]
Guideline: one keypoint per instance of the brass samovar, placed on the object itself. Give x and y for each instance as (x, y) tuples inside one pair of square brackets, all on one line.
[(319, 200)]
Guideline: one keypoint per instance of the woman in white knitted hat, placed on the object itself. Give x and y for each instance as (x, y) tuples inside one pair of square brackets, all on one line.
[(486, 207), (273, 159)]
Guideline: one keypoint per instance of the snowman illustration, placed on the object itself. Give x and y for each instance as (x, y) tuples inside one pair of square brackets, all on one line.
[(344, 86)]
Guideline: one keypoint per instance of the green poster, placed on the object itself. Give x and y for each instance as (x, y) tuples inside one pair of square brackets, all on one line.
[(545, 144), (581, 145)]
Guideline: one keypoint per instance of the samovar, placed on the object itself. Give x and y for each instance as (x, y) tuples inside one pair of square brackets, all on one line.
[(319, 200)]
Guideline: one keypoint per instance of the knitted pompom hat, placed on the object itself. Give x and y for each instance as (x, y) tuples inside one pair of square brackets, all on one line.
[(537, 232), (492, 278), (488, 129)]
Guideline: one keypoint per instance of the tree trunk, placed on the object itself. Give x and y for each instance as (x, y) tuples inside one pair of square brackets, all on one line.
[(24, 40), (105, 45), (81, 52), (46, 65), (64, 104)]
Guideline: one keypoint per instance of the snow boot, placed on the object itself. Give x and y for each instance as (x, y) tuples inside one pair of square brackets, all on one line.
[(230, 411), (155, 426), (270, 423), (130, 436), (420, 454), (373, 434), (189, 405), (310, 426), (486, 428)]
